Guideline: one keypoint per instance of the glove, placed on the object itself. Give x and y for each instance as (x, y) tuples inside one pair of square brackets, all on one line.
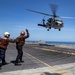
[(26, 30)]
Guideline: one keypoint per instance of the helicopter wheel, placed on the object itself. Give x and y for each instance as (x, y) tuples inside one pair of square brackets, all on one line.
[(50, 28), (59, 29), (47, 29)]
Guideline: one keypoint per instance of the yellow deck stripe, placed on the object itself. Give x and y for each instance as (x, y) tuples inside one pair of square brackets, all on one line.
[(63, 73), (64, 52)]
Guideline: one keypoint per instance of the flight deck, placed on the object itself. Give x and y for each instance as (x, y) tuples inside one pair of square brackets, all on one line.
[(40, 60)]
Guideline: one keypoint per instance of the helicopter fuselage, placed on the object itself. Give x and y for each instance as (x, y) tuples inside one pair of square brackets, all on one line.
[(53, 23)]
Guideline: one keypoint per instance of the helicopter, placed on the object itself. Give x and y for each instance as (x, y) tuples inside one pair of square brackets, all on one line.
[(53, 21)]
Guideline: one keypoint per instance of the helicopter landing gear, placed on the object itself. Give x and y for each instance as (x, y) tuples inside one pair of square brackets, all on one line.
[(47, 29), (59, 29)]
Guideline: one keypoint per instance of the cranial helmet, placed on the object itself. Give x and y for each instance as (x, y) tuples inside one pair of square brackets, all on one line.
[(6, 33), (22, 33)]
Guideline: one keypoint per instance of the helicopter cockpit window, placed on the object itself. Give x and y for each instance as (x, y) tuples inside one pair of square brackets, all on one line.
[(50, 20)]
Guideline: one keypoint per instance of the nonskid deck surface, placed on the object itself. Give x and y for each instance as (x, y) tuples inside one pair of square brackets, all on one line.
[(40, 60)]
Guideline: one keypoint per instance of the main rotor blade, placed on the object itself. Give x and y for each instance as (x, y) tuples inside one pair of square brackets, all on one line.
[(67, 17), (54, 9), (39, 12)]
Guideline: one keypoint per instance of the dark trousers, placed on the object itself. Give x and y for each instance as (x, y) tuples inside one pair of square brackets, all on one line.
[(3, 60), (20, 53), (2, 56)]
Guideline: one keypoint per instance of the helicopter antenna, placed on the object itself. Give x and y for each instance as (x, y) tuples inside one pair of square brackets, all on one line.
[(43, 20)]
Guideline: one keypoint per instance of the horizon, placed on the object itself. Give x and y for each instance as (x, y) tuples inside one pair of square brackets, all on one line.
[(47, 41)]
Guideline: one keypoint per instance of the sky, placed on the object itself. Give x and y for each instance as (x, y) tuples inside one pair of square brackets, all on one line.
[(14, 18)]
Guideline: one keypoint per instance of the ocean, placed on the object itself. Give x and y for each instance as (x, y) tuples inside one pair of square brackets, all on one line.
[(59, 42), (56, 42)]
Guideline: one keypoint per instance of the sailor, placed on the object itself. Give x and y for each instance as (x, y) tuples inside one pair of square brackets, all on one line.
[(3, 46), (20, 41)]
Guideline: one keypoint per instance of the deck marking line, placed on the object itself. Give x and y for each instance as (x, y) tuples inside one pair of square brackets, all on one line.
[(72, 53), (63, 73)]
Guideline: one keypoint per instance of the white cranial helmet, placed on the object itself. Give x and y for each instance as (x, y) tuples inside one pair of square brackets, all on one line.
[(6, 33)]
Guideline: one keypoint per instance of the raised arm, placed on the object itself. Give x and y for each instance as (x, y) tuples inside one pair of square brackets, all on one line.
[(27, 33)]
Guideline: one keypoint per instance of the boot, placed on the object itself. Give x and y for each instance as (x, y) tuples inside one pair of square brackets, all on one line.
[(21, 61), (17, 64)]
